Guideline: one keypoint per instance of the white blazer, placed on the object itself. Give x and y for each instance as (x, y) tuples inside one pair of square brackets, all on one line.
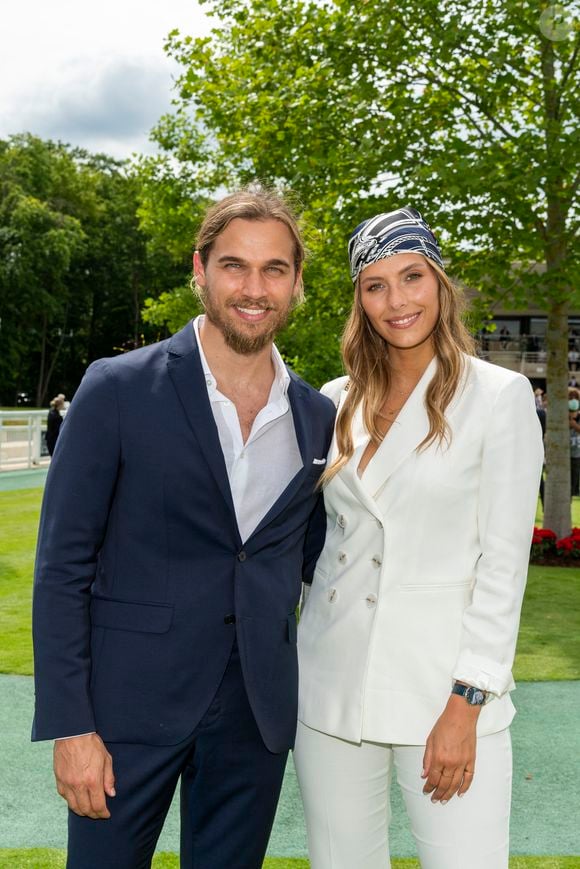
[(422, 575)]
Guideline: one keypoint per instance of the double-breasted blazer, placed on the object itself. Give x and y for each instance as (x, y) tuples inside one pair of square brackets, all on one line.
[(422, 574), (142, 580)]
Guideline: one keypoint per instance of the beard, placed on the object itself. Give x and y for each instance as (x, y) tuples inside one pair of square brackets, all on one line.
[(249, 338)]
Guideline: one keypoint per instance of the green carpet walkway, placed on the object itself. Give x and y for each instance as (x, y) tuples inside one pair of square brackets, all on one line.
[(32, 479), (546, 802)]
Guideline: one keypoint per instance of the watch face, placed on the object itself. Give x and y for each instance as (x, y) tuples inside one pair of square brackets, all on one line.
[(475, 696)]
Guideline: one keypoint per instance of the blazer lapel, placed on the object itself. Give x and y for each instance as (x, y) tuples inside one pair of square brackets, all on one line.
[(406, 433), (348, 474), (300, 404), (186, 372)]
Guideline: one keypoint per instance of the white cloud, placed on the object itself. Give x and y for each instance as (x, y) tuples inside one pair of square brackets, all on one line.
[(91, 74)]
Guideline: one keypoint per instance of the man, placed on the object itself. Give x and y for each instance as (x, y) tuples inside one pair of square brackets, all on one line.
[(181, 513)]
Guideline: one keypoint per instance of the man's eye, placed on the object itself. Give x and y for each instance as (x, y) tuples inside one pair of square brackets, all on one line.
[(232, 266)]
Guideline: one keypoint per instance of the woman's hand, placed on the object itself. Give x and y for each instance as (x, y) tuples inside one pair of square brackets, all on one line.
[(449, 759)]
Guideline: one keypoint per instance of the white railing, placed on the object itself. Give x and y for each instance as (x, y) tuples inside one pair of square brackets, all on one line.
[(22, 439)]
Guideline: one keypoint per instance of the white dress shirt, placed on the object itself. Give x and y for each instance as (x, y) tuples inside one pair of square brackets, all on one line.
[(260, 469)]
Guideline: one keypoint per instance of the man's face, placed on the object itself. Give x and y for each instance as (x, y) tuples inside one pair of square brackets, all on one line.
[(249, 283)]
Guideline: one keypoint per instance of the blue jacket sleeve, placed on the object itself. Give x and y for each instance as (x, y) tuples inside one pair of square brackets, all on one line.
[(78, 494)]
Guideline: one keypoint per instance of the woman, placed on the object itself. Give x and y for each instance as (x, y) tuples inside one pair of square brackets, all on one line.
[(54, 422), (408, 635)]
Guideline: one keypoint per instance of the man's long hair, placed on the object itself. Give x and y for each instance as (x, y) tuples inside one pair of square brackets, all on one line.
[(254, 202)]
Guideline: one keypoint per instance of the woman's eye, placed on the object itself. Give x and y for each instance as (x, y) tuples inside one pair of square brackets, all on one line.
[(373, 287), (413, 276)]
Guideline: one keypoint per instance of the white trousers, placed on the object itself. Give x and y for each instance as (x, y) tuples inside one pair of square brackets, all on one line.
[(345, 789)]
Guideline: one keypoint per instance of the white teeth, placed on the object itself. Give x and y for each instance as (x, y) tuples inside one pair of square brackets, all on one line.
[(252, 311), (405, 320)]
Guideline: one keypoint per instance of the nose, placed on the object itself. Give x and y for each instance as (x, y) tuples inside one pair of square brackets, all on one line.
[(397, 298), (253, 286)]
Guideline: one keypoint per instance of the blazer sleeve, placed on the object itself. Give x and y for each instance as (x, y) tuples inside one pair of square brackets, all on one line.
[(314, 539), (510, 474), (75, 511)]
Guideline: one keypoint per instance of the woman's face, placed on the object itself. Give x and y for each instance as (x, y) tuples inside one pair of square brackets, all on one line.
[(400, 296)]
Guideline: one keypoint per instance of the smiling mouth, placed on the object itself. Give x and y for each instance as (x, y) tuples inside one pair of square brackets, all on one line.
[(252, 314), (404, 322)]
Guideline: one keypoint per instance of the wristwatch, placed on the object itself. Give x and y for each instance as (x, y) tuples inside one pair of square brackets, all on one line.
[(474, 696)]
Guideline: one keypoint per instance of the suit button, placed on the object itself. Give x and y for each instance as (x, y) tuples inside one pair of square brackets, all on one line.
[(342, 557), (341, 521), (230, 619), (371, 600), (377, 560), (332, 595), (242, 556)]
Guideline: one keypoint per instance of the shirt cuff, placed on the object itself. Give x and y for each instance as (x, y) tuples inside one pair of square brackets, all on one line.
[(483, 673), (74, 736)]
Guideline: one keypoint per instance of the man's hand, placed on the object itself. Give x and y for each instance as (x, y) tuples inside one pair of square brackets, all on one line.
[(449, 760), (83, 769)]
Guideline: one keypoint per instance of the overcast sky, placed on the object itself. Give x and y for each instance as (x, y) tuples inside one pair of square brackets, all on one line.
[(92, 74)]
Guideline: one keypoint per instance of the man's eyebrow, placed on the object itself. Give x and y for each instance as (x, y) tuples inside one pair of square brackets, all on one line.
[(230, 258)]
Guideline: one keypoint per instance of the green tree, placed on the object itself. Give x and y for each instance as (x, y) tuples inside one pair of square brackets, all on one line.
[(38, 241), (468, 110), (75, 266)]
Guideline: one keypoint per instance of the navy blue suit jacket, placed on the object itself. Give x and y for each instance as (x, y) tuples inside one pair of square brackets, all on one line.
[(140, 559)]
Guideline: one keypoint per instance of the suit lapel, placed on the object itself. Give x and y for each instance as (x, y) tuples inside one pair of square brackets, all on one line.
[(406, 433), (404, 436), (186, 373), (300, 404), (348, 474)]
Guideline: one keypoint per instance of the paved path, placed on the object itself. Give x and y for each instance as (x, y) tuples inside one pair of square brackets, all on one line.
[(546, 804), (25, 479)]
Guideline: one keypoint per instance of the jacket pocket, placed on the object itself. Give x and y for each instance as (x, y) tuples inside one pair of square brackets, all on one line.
[(125, 615)]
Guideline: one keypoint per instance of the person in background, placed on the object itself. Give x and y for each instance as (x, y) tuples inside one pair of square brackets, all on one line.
[(408, 634), (542, 417), (54, 422), (574, 423)]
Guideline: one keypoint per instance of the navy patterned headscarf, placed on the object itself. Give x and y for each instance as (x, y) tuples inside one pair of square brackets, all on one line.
[(382, 236)]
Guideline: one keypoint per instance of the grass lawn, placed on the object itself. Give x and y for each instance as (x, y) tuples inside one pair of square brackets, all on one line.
[(549, 639), (548, 648), (575, 513), (49, 859), (18, 523)]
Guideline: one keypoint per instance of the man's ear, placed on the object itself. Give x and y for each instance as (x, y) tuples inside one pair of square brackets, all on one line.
[(198, 269)]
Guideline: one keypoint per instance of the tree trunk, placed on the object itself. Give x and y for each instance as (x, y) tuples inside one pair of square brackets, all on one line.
[(40, 380), (136, 309), (557, 513)]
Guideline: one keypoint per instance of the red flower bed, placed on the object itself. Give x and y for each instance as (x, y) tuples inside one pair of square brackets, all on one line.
[(547, 549)]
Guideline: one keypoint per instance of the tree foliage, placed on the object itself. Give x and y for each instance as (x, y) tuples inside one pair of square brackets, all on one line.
[(75, 266), (467, 110)]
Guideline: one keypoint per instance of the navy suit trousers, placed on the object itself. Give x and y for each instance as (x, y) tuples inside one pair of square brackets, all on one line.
[(230, 785)]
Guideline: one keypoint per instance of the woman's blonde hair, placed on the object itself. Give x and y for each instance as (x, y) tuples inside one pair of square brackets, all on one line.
[(366, 360)]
